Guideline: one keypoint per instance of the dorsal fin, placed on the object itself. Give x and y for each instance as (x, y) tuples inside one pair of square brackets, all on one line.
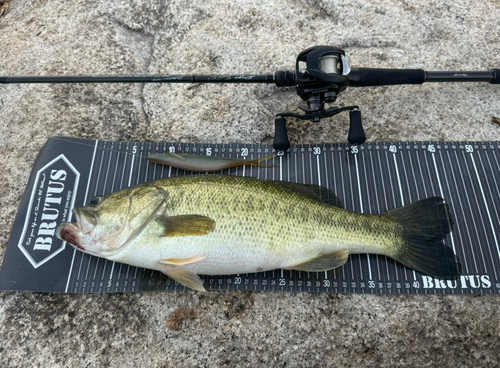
[(313, 191)]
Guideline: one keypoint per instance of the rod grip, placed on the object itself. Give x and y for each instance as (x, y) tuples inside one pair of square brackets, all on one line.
[(368, 77), (496, 78)]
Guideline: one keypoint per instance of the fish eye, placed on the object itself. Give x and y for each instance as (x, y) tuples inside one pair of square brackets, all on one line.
[(96, 200)]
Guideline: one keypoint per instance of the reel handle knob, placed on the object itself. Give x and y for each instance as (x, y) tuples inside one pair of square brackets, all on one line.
[(356, 132), (281, 141)]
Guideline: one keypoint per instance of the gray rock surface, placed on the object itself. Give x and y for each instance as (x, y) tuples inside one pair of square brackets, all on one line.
[(244, 329)]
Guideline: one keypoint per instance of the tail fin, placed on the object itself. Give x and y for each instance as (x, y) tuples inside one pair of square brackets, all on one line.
[(425, 224)]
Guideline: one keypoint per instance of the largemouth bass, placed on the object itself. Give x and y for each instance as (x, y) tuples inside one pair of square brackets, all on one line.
[(214, 225), (204, 163)]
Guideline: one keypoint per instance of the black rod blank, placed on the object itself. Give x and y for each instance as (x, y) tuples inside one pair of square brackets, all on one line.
[(359, 77), (240, 78)]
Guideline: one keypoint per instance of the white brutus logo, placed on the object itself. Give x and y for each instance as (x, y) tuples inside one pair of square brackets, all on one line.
[(52, 199), (465, 282)]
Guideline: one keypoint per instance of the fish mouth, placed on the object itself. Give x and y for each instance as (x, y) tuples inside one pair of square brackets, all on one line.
[(70, 233), (86, 219)]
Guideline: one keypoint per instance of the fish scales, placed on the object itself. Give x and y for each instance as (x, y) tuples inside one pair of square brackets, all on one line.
[(256, 216), (262, 214)]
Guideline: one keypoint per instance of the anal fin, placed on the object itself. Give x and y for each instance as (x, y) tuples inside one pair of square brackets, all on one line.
[(323, 262), (186, 278)]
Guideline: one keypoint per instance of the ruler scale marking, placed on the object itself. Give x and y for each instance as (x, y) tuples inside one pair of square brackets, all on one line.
[(378, 206), (369, 206), (469, 235), (96, 186), (386, 205), (487, 206), (454, 210), (402, 200), (409, 190), (352, 201), (395, 205), (469, 206)]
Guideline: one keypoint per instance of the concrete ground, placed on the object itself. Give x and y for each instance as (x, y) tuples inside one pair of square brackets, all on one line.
[(239, 329)]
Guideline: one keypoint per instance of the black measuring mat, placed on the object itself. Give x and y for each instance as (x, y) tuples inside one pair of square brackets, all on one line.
[(370, 178)]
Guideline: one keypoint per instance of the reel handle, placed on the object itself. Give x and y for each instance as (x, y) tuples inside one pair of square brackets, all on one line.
[(356, 131), (281, 141)]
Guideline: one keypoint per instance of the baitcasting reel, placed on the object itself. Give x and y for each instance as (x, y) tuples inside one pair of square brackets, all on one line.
[(325, 76)]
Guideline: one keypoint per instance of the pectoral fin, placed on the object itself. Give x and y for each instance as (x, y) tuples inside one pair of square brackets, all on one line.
[(181, 261), (186, 225), (186, 278), (323, 262)]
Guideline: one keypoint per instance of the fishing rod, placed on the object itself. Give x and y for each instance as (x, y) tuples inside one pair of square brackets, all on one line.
[(325, 75)]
